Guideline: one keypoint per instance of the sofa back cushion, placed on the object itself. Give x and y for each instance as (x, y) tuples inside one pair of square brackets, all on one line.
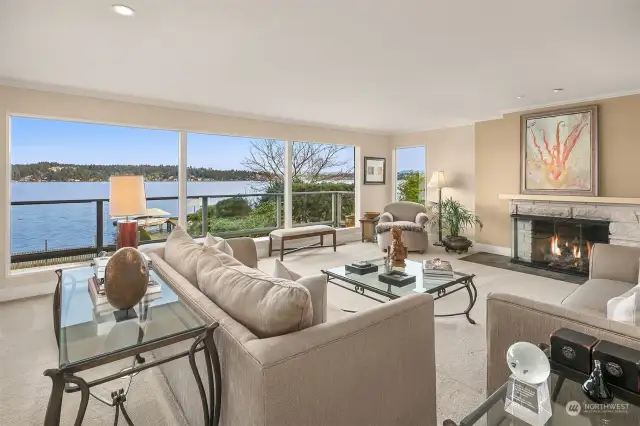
[(181, 252), (267, 306), (614, 262)]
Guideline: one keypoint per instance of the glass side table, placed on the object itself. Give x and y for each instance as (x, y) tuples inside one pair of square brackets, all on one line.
[(570, 406), (89, 338)]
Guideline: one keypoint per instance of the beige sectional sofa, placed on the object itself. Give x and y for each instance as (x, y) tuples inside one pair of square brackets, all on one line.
[(375, 367), (613, 272)]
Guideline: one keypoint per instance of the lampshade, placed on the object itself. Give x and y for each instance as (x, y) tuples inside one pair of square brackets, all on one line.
[(437, 180), (126, 196)]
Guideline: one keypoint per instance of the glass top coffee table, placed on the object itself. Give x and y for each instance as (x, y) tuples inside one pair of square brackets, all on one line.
[(90, 337), (438, 287)]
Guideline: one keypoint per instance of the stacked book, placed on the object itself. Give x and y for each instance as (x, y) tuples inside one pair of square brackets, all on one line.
[(436, 269)]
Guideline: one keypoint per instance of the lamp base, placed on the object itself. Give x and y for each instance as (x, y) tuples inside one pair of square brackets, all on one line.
[(127, 234), (438, 243)]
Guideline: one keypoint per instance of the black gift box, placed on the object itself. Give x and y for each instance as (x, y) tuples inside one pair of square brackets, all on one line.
[(620, 365), (361, 270), (573, 349)]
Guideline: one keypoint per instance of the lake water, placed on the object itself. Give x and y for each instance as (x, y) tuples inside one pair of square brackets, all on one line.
[(58, 226)]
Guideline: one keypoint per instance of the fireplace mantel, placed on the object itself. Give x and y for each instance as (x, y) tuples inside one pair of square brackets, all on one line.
[(571, 199)]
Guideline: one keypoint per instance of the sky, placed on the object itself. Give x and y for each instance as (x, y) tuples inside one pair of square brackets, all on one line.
[(34, 140), (410, 158)]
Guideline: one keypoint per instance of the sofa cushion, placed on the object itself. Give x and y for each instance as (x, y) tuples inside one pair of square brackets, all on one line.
[(267, 306), (218, 243), (316, 284), (181, 252), (594, 294)]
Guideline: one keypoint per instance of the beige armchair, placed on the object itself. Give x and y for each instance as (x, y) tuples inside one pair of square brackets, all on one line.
[(408, 216)]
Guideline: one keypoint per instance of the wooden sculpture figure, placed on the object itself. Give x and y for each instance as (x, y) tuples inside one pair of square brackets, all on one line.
[(397, 252)]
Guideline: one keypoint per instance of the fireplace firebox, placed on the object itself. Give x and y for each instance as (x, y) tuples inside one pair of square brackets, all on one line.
[(555, 243)]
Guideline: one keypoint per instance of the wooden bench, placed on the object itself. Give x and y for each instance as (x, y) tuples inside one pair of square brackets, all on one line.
[(298, 233)]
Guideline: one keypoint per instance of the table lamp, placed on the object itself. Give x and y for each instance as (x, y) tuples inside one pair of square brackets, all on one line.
[(438, 181), (127, 198)]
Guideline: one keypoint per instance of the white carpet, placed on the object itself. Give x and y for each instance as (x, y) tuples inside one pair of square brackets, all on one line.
[(28, 344)]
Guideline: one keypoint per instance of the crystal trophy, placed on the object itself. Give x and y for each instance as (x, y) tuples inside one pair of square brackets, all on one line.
[(527, 395)]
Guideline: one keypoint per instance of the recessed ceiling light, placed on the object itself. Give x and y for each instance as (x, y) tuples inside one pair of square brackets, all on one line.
[(520, 97), (558, 90), (123, 10)]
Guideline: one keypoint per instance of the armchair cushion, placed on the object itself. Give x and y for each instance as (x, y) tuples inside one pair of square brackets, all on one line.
[(403, 225)]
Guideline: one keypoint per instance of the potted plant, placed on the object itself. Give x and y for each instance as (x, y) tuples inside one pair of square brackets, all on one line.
[(455, 219)]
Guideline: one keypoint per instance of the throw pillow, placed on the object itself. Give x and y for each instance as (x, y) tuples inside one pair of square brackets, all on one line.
[(218, 243), (317, 286), (267, 306), (625, 308), (181, 252)]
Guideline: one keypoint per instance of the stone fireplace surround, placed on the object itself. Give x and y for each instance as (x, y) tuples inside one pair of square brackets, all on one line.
[(622, 213)]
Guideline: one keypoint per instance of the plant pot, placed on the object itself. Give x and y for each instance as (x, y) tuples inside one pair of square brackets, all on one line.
[(458, 244)]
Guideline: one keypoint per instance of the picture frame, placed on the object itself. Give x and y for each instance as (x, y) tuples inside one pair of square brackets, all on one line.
[(375, 170), (559, 152)]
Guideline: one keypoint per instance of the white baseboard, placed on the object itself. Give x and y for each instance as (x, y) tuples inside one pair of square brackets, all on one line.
[(488, 248)]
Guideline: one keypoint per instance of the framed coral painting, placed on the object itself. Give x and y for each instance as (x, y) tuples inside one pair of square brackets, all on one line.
[(559, 151)]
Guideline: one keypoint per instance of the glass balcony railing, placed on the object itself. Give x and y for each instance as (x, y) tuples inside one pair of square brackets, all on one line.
[(62, 231)]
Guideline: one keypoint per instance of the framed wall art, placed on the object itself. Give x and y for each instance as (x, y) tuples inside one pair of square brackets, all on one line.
[(374, 170), (559, 152)]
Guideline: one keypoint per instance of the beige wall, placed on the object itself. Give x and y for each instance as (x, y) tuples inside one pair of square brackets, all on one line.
[(452, 151), (79, 108), (498, 161)]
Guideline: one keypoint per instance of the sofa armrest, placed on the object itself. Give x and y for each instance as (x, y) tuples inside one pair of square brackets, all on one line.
[(244, 249), (373, 367), (155, 248), (385, 217), (613, 262), (512, 319)]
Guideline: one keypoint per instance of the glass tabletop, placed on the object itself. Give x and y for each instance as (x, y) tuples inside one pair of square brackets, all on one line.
[(571, 408), (421, 284), (86, 332)]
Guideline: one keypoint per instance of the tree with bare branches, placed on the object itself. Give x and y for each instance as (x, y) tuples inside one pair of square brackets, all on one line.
[(311, 162)]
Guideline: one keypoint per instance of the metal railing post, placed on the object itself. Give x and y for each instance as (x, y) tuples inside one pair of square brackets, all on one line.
[(333, 209), (205, 215), (99, 225), (278, 211), (338, 210)]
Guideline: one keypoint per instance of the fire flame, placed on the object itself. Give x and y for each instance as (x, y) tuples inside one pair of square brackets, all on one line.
[(576, 251), (555, 250)]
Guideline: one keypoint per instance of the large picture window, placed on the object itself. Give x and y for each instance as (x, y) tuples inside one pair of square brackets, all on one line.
[(323, 184), (234, 185), (410, 174), (60, 183)]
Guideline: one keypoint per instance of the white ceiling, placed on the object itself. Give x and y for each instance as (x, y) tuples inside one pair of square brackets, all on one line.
[(379, 65)]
